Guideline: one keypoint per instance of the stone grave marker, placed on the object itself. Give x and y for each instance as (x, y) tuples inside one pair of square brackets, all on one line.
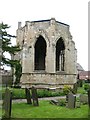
[(68, 95), (28, 96), (34, 96), (7, 103), (71, 100), (54, 102), (84, 99)]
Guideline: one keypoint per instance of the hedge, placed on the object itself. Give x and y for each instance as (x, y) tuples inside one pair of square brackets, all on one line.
[(20, 93)]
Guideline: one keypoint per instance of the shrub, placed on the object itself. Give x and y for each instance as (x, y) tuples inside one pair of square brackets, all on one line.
[(44, 93), (66, 89), (86, 86), (48, 93), (19, 93), (62, 102), (81, 90)]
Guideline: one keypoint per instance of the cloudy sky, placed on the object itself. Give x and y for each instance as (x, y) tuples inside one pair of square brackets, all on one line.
[(71, 12)]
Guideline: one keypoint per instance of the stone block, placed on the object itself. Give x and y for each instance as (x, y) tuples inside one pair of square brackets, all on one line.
[(7, 103), (34, 96), (84, 99), (28, 96), (71, 100)]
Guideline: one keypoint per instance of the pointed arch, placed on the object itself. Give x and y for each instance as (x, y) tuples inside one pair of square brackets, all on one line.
[(40, 53), (42, 33), (60, 54)]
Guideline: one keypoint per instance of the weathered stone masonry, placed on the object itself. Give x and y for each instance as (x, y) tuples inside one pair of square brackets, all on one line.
[(48, 54)]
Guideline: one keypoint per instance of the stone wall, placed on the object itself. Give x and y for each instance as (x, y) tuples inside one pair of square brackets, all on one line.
[(47, 80)]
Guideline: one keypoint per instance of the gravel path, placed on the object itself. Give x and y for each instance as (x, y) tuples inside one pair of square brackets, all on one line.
[(47, 98)]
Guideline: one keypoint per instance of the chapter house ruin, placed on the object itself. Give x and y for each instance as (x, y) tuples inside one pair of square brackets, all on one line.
[(48, 55)]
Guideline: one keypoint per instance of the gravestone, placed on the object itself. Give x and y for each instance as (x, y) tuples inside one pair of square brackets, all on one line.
[(54, 102), (28, 96), (71, 100), (34, 96), (7, 103), (84, 99)]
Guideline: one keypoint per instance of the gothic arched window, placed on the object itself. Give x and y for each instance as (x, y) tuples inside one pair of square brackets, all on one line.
[(60, 48), (40, 53)]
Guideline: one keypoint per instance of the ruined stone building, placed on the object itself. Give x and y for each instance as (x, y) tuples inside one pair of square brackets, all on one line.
[(48, 55)]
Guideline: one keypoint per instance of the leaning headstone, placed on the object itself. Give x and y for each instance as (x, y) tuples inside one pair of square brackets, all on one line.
[(28, 96), (71, 100), (7, 103), (35, 96), (84, 99), (54, 102)]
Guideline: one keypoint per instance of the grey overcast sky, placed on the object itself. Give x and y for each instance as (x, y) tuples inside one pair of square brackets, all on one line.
[(71, 12)]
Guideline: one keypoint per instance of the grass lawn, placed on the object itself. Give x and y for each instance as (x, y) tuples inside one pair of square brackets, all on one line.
[(47, 110)]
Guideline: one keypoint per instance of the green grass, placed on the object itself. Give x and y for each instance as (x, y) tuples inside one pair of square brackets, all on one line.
[(47, 110)]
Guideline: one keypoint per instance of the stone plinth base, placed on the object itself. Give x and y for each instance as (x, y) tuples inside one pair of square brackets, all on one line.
[(47, 80)]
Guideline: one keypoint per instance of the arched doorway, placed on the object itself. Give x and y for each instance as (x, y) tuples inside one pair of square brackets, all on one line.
[(40, 53), (60, 48)]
